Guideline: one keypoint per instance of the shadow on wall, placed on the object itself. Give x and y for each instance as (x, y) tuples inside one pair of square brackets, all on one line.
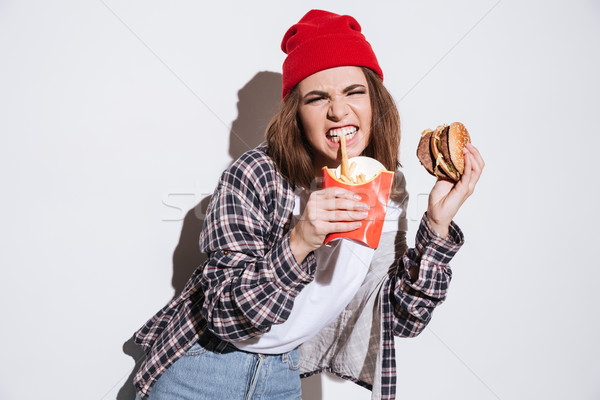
[(258, 101)]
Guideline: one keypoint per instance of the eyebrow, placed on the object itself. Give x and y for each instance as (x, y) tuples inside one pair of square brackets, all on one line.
[(325, 94)]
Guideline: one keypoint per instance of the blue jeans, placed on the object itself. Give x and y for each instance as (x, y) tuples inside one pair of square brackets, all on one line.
[(218, 370)]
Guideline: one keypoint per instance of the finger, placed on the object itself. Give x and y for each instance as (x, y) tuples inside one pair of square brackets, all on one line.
[(345, 215), (328, 216), (343, 204), (477, 162), (332, 192), (340, 215), (344, 226), (473, 173), (476, 155), (476, 173), (468, 171)]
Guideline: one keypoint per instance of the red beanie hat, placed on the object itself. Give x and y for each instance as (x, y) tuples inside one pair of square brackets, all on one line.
[(323, 40)]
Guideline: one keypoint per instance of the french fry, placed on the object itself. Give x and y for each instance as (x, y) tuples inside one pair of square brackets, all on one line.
[(344, 167), (346, 172), (345, 179), (352, 168)]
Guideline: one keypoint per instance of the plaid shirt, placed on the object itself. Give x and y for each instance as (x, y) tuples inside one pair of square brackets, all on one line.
[(251, 278)]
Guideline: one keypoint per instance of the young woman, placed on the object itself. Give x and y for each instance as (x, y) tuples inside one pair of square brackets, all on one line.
[(271, 303)]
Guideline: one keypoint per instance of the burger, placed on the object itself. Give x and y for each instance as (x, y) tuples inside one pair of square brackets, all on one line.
[(441, 151)]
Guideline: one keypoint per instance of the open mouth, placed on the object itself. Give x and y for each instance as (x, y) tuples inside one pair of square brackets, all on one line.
[(335, 134)]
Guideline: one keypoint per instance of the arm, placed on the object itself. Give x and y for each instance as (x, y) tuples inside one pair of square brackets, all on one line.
[(251, 277), (421, 279), (254, 271)]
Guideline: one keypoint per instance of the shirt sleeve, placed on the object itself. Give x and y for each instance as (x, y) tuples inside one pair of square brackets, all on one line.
[(414, 301), (249, 281)]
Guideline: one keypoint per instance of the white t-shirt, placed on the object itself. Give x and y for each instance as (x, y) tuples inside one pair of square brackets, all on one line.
[(341, 269)]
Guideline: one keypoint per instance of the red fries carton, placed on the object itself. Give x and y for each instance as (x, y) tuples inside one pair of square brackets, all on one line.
[(375, 191)]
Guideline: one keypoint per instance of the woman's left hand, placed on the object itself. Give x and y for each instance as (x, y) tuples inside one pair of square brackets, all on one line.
[(446, 197)]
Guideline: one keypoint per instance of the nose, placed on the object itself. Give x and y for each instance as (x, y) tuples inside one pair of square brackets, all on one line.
[(338, 109)]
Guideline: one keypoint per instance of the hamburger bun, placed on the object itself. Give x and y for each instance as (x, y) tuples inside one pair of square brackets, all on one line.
[(441, 151)]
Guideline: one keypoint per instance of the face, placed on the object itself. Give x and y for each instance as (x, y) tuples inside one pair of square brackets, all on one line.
[(335, 102)]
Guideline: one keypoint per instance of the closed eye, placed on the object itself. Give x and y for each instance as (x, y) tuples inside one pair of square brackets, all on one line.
[(313, 99)]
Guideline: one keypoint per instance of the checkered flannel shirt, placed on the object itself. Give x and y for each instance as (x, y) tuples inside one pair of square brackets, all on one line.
[(251, 278)]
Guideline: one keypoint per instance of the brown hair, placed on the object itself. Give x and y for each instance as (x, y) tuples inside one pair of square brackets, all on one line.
[(291, 152)]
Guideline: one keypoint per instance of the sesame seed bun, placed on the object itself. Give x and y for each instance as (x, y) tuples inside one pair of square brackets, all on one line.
[(458, 137)]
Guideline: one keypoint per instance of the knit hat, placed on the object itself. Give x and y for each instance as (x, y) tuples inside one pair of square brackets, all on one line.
[(323, 40)]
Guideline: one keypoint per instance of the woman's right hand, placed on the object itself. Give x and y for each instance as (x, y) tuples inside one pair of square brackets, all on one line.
[(327, 211)]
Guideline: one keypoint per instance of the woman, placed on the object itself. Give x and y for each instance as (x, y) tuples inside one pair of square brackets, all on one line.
[(272, 303)]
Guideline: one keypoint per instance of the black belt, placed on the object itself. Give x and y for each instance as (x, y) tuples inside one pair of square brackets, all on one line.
[(212, 343)]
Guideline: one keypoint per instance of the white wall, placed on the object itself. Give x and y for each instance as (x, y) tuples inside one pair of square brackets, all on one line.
[(116, 119)]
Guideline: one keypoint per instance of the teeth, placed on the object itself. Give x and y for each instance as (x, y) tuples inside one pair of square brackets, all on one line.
[(347, 131)]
